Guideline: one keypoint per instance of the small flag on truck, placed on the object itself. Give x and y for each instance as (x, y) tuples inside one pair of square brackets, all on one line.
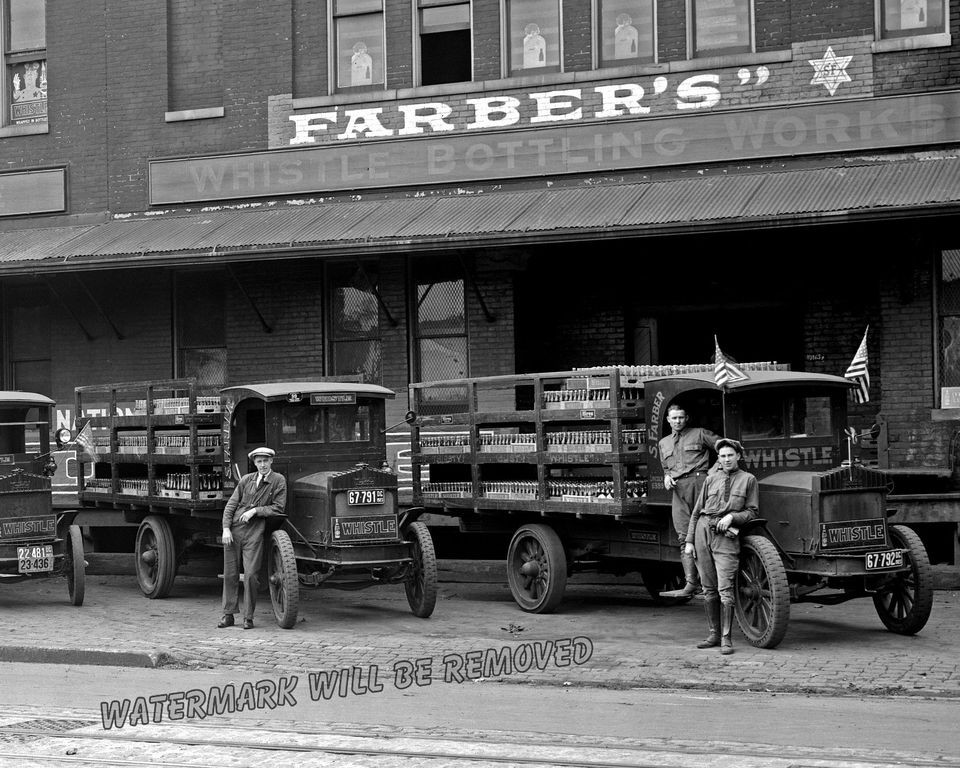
[(725, 370), (84, 443), (857, 371)]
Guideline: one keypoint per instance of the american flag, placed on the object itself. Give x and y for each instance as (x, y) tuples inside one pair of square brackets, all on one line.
[(84, 444), (858, 373), (724, 370)]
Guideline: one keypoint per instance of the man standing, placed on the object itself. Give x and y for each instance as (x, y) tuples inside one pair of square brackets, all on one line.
[(729, 499), (685, 457), (258, 495)]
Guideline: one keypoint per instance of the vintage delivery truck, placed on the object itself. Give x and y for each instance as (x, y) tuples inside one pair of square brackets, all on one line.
[(36, 541), (564, 466), (167, 457)]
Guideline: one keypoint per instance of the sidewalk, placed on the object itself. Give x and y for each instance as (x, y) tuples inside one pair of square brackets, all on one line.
[(833, 649)]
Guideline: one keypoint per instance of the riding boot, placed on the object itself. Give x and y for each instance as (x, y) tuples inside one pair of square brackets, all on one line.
[(712, 607), (692, 587), (726, 626)]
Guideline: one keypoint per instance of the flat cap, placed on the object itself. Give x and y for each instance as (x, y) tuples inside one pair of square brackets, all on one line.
[(729, 441), (268, 452)]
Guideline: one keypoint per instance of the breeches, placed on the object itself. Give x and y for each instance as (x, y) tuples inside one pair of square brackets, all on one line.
[(717, 559), (684, 498)]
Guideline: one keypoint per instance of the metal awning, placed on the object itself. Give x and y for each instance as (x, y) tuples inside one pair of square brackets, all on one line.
[(849, 190)]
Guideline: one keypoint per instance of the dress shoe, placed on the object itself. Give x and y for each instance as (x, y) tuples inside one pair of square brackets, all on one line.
[(248, 623), (226, 621)]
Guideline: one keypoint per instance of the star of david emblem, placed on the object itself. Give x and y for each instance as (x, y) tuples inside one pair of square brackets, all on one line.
[(830, 71)]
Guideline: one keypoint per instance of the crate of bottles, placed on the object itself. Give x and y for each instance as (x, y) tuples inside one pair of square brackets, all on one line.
[(132, 441), (165, 406), (179, 485), (134, 487), (98, 485), (579, 441), (176, 442), (499, 442), (445, 444), (513, 490), (456, 490), (593, 491)]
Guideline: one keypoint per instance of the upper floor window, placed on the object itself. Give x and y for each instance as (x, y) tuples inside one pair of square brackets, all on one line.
[(533, 35), (903, 18), (358, 44), (626, 32), (25, 60), (194, 54), (445, 53), (721, 27)]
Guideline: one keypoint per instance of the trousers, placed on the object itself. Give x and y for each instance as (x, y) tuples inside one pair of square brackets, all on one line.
[(717, 560), (247, 547), (684, 498)]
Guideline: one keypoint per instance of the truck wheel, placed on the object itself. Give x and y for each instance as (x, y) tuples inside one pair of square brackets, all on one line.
[(156, 556), (75, 565), (762, 593), (421, 586), (904, 602), (282, 578), (536, 568), (663, 578)]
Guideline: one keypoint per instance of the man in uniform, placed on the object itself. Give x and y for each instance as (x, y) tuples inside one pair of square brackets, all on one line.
[(258, 495), (685, 457), (729, 499)]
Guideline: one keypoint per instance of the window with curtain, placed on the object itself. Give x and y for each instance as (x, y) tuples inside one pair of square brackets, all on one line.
[(626, 32), (533, 35), (358, 45), (721, 26)]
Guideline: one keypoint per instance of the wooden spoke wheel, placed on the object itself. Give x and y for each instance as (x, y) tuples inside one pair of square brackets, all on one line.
[(156, 557), (421, 586), (75, 565), (762, 593), (905, 601), (282, 579), (537, 568)]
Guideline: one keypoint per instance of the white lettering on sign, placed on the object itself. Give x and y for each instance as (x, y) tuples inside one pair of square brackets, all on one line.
[(697, 92), (761, 458)]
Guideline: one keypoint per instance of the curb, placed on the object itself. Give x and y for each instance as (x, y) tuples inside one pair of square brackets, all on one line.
[(34, 655)]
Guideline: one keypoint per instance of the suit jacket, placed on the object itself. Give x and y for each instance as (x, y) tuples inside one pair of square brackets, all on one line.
[(270, 499)]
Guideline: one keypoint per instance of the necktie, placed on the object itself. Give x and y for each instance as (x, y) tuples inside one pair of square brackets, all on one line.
[(726, 488)]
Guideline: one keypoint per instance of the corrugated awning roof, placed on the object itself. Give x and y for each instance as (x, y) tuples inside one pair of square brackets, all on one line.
[(853, 190)]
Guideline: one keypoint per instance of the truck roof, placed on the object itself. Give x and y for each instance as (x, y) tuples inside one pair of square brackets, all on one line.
[(9, 397), (277, 390)]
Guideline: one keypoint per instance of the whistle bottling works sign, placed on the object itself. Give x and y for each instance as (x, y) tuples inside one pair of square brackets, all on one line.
[(575, 147)]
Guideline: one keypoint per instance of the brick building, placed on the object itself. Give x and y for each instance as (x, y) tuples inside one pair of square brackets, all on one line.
[(422, 189)]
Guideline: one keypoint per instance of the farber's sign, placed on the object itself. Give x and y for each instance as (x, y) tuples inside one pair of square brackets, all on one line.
[(608, 128)]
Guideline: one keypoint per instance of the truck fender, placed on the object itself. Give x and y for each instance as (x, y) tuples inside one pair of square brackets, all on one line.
[(758, 526), (410, 515)]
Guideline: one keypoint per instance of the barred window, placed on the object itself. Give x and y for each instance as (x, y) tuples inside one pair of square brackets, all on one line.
[(201, 328), (441, 328)]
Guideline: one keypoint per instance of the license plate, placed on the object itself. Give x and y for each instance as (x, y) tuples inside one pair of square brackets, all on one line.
[(35, 559), (879, 561), (363, 496)]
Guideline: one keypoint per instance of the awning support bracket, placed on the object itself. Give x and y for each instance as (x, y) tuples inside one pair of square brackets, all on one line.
[(99, 307), (236, 278), (376, 292), (89, 336), (491, 318)]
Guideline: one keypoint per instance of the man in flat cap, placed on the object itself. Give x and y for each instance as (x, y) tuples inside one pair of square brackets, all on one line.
[(258, 495), (729, 499)]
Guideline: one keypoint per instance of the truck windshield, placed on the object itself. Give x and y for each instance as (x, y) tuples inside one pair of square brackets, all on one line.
[(770, 415), (309, 424)]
